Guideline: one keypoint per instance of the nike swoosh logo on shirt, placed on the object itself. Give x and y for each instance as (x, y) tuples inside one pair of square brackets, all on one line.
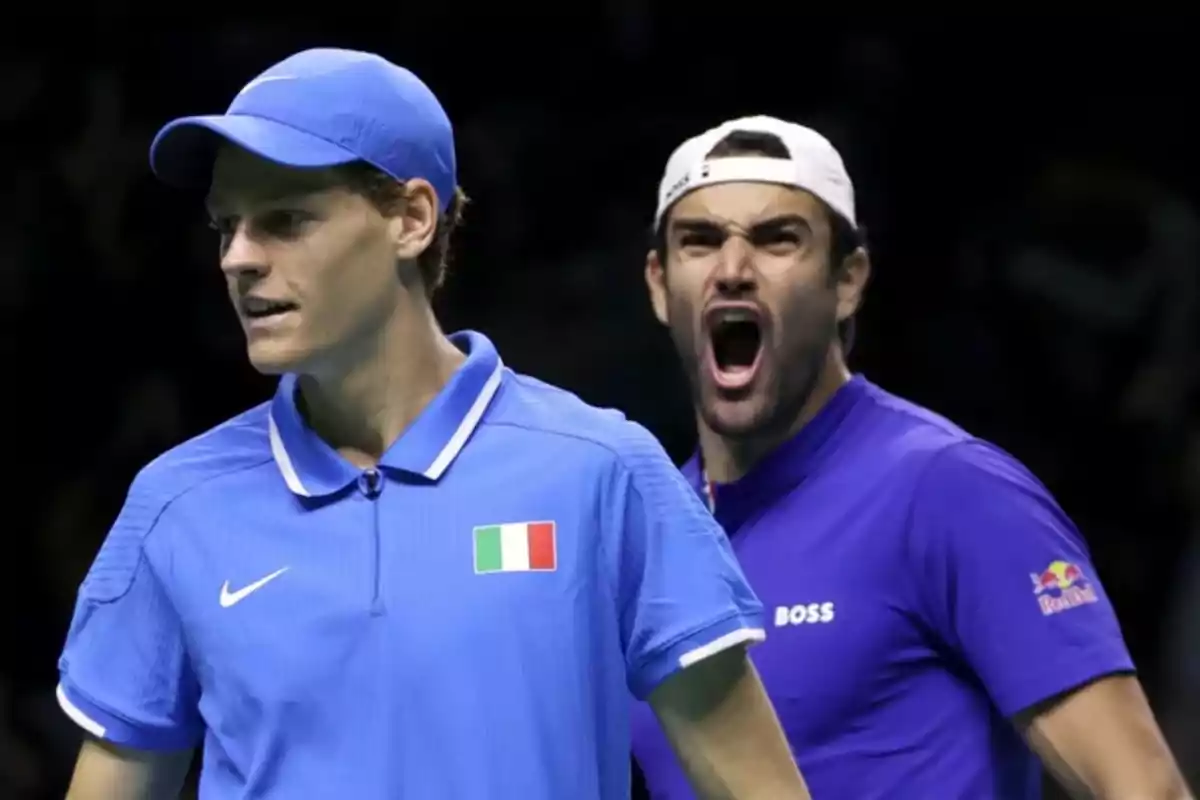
[(229, 598)]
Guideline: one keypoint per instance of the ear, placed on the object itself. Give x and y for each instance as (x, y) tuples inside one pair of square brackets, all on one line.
[(852, 281), (414, 224), (656, 283)]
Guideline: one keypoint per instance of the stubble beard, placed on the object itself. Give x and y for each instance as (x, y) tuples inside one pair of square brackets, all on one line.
[(791, 370)]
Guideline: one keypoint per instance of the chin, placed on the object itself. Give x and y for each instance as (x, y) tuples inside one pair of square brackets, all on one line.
[(742, 417), (269, 358)]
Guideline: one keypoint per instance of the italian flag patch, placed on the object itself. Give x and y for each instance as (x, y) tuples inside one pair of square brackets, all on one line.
[(515, 547)]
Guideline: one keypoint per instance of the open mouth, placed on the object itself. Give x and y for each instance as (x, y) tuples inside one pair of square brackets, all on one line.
[(735, 338), (258, 308)]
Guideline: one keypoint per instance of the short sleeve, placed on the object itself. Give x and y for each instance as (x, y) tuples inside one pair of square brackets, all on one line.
[(682, 596), (1007, 580), (124, 674)]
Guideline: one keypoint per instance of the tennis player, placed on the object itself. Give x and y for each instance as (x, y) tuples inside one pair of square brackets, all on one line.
[(413, 573), (934, 615)]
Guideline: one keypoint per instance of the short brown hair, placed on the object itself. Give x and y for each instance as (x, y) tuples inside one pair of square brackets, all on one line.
[(385, 192), (844, 237)]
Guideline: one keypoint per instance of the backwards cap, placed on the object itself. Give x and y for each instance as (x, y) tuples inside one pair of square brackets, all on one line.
[(814, 166), (321, 108)]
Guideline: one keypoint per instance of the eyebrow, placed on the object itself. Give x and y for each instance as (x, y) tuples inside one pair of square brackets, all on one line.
[(214, 203), (700, 224)]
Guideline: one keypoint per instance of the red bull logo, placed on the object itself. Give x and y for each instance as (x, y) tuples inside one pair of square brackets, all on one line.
[(1061, 586)]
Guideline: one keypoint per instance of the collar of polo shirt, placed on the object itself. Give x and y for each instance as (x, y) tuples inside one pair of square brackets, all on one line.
[(782, 469), (311, 468)]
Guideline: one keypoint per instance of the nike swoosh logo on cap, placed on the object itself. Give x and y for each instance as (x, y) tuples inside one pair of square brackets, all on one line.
[(261, 81)]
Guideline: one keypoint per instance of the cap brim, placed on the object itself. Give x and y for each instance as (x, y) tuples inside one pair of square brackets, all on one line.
[(183, 152)]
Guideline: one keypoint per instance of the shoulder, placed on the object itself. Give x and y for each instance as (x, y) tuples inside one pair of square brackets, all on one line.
[(971, 493), (975, 464), (237, 444), (974, 493), (537, 414), (945, 470), (931, 447)]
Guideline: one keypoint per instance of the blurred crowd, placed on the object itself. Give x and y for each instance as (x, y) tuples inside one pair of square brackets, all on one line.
[(1036, 235)]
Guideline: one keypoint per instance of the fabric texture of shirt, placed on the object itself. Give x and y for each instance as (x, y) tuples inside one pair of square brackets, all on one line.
[(465, 621), (922, 587)]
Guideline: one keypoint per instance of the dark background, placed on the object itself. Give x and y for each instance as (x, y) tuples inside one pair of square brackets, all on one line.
[(1030, 188)]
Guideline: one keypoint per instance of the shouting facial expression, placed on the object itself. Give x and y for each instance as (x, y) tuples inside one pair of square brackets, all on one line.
[(751, 300), (310, 265)]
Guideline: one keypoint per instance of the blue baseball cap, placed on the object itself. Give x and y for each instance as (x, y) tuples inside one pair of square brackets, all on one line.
[(321, 108)]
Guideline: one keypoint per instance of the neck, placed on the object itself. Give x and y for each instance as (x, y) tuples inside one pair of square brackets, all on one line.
[(365, 405), (729, 458)]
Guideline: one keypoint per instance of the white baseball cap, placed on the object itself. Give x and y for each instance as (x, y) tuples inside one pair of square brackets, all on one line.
[(814, 166)]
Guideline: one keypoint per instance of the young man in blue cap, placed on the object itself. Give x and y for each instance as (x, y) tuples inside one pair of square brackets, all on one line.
[(413, 573), (911, 655)]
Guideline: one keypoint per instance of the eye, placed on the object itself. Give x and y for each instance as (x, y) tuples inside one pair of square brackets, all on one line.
[(283, 223), (222, 225), (707, 240), (777, 240)]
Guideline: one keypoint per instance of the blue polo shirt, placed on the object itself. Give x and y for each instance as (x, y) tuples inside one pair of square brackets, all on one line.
[(922, 588), (465, 621)]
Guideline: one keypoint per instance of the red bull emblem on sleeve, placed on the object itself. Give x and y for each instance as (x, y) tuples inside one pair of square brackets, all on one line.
[(1061, 586)]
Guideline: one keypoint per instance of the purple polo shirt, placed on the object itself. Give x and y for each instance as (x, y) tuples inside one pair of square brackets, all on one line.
[(922, 587)]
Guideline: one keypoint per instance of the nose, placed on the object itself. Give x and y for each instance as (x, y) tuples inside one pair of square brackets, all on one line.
[(734, 275), (242, 254)]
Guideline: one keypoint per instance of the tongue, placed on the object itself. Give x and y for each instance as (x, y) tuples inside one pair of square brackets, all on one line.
[(734, 378), (734, 367)]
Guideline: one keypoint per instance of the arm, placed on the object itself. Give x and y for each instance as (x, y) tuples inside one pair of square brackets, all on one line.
[(125, 677), (1102, 741), (1013, 592), (687, 616), (724, 731), (108, 772)]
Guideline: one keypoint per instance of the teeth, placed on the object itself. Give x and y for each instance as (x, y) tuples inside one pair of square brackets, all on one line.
[(254, 305), (734, 315)]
